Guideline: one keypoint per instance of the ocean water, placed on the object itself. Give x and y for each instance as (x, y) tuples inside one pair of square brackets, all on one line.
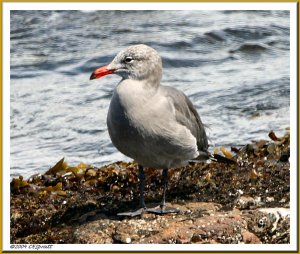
[(233, 65)]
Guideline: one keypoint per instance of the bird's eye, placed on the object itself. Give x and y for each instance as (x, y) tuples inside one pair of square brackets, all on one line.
[(128, 59)]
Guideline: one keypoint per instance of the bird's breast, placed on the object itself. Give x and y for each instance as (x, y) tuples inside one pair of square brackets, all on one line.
[(124, 133)]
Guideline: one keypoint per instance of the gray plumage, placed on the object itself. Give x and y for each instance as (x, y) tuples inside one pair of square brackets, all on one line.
[(156, 125)]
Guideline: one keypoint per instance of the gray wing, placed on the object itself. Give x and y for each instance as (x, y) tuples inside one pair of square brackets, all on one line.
[(187, 115)]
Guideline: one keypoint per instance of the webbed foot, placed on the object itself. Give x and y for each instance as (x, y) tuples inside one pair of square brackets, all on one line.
[(138, 212), (162, 210)]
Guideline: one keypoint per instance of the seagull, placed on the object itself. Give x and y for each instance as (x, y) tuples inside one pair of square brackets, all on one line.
[(156, 125)]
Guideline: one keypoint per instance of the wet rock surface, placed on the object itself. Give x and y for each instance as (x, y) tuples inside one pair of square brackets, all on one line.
[(247, 202)]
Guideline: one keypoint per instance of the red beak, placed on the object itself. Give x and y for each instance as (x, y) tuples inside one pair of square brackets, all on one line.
[(100, 72)]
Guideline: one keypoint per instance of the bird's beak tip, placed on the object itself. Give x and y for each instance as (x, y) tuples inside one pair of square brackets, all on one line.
[(93, 76), (100, 72)]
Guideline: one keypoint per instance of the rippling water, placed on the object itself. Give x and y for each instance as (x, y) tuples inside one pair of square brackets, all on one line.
[(234, 65)]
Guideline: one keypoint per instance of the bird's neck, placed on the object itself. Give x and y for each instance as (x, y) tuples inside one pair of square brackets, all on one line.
[(135, 92), (150, 80)]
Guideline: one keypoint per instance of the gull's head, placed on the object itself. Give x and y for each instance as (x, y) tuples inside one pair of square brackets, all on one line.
[(137, 62)]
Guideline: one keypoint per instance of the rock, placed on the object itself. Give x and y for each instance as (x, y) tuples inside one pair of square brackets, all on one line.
[(250, 238)]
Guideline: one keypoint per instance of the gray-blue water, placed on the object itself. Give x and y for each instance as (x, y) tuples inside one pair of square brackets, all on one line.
[(234, 65)]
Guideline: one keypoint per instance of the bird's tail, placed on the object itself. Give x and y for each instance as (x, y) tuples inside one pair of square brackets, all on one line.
[(213, 157), (221, 159)]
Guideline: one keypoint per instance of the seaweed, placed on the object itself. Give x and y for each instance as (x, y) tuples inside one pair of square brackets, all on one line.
[(65, 197)]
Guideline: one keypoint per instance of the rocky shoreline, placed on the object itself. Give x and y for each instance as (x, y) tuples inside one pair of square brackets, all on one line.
[(247, 202)]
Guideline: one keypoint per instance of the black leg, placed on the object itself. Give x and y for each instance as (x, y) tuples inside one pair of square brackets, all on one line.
[(142, 186), (142, 208), (162, 208), (165, 186)]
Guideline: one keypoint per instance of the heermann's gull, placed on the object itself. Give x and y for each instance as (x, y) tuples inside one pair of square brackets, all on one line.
[(156, 125)]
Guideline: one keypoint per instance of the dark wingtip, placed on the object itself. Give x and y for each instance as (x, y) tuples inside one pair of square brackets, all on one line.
[(221, 159), (93, 76)]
